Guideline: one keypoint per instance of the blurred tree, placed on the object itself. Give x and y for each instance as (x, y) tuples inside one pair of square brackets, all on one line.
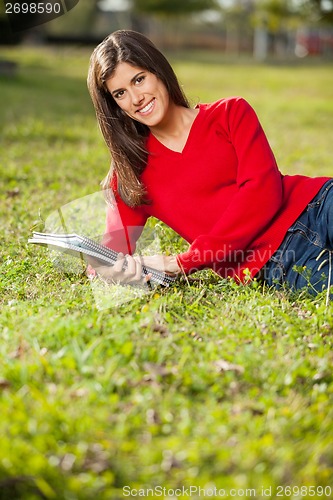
[(317, 10), (77, 22), (273, 17), (173, 7), (277, 13), (270, 18), (173, 12), (238, 28)]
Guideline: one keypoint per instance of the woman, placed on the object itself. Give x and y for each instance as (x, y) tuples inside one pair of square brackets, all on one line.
[(208, 172)]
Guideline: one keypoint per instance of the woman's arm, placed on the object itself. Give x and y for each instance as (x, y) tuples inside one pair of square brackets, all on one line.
[(124, 226), (256, 202)]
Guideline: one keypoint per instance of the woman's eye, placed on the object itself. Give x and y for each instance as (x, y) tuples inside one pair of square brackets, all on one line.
[(119, 94), (139, 79)]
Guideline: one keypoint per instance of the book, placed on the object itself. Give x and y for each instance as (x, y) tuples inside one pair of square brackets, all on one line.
[(79, 246)]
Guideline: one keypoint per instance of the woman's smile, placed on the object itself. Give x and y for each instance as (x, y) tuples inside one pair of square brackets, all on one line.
[(148, 108)]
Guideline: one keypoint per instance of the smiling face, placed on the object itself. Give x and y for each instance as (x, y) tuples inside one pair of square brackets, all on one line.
[(140, 94)]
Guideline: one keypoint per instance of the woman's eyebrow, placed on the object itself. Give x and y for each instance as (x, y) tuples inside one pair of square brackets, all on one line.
[(132, 81)]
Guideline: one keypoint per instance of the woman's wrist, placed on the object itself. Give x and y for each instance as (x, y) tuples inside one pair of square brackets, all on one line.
[(172, 265)]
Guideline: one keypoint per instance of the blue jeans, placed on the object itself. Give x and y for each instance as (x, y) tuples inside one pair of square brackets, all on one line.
[(305, 257)]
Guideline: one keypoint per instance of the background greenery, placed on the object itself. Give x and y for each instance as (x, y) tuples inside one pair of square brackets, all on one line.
[(207, 383)]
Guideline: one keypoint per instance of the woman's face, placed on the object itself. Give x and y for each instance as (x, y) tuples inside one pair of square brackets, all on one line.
[(140, 94)]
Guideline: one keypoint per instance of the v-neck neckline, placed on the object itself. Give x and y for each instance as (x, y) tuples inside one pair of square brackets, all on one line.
[(158, 145)]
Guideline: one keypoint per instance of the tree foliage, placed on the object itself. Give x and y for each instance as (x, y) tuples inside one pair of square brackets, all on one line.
[(173, 7), (322, 10), (277, 11), (275, 14)]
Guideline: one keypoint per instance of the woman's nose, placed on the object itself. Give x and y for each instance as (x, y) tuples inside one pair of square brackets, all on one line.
[(137, 97)]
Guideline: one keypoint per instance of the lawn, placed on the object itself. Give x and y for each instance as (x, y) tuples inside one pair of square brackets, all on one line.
[(205, 385)]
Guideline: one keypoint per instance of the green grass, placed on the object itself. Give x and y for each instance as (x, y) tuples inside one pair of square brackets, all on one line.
[(207, 384)]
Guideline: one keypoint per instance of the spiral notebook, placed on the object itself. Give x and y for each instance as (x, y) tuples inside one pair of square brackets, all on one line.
[(81, 245)]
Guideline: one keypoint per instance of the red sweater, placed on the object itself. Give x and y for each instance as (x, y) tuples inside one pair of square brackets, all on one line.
[(223, 193)]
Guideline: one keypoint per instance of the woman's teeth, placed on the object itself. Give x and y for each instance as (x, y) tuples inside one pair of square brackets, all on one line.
[(148, 107)]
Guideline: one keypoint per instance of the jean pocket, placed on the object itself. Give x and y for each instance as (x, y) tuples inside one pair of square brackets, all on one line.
[(299, 230), (318, 200)]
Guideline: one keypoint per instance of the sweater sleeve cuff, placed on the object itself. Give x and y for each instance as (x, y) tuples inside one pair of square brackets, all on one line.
[(190, 261)]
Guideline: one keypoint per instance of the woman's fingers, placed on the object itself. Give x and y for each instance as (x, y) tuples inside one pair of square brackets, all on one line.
[(154, 261), (165, 263), (134, 269), (118, 267), (126, 270)]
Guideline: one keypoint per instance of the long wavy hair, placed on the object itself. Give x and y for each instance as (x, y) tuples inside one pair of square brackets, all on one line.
[(124, 136)]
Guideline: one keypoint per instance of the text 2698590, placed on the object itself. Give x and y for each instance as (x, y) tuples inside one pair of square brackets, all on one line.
[(33, 8), (302, 491)]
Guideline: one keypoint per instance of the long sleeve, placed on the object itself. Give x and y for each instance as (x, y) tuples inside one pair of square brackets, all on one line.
[(124, 224), (256, 201)]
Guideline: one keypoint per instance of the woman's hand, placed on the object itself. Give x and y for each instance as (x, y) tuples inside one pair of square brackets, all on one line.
[(118, 274), (164, 263)]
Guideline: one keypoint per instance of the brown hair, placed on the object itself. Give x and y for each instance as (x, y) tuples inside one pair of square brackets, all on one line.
[(124, 136)]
